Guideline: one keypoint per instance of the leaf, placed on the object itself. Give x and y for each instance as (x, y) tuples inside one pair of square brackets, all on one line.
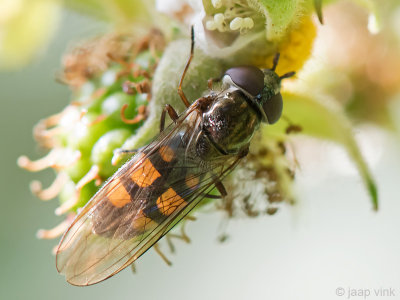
[(318, 10), (324, 120)]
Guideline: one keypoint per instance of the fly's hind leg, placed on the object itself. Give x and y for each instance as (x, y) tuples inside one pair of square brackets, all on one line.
[(211, 81), (172, 114), (180, 91), (162, 255), (133, 268), (182, 236), (221, 189)]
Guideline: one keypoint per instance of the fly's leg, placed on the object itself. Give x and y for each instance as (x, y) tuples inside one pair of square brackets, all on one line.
[(172, 114), (182, 236), (162, 255), (291, 128), (180, 91), (223, 236), (220, 187), (133, 268), (210, 196), (211, 81), (120, 153)]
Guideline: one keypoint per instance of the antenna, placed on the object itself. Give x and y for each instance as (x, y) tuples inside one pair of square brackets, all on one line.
[(287, 75), (275, 61)]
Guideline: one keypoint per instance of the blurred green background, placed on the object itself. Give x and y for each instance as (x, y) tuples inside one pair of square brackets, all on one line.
[(331, 239)]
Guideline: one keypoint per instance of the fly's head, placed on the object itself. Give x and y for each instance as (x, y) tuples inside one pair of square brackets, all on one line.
[(262, 87)]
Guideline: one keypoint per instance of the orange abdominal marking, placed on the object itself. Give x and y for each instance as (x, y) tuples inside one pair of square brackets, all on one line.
[(167, 154), (168, 202), (192, 181), (145, 174), (117, 194), (142, 223)]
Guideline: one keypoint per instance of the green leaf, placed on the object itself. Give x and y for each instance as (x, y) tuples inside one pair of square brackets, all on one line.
[(318, 10), (324, 120)]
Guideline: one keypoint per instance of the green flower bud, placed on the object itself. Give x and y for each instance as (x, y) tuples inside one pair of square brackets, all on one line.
[(103, 150)]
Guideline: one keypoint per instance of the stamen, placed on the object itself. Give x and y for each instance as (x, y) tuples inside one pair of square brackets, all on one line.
[(117, 156), (139, 117), (216, 3), (237, 16), (95, 95), (93, 174), (66, 158), (124, 73), (141, 72), (44, 136), (57, 158), (248, 23), (50, 121), (40, 164), (54, 249), (57, 230), (211, 25), (52, 191), (48, 134), (82, 113), (219, 18), (118, 60), (156, 43), (67, 205), (99, 119), (142, 87), (236, 23)]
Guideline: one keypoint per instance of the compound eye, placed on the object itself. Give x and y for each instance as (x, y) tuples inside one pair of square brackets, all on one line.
[(249, 78), (273, 108)]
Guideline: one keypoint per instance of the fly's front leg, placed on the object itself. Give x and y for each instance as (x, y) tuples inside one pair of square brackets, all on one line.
[(121, 153), (172, 114), (180, 91), (211, 81)]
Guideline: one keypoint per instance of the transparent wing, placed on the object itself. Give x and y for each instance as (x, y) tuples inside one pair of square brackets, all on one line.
[(139, 205)]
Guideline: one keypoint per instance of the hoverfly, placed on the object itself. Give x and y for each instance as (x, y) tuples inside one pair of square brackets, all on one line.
[(165, 180)]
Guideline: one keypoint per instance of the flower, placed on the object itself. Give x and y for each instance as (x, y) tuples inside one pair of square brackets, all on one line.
[(111, 79), (122, 81)]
